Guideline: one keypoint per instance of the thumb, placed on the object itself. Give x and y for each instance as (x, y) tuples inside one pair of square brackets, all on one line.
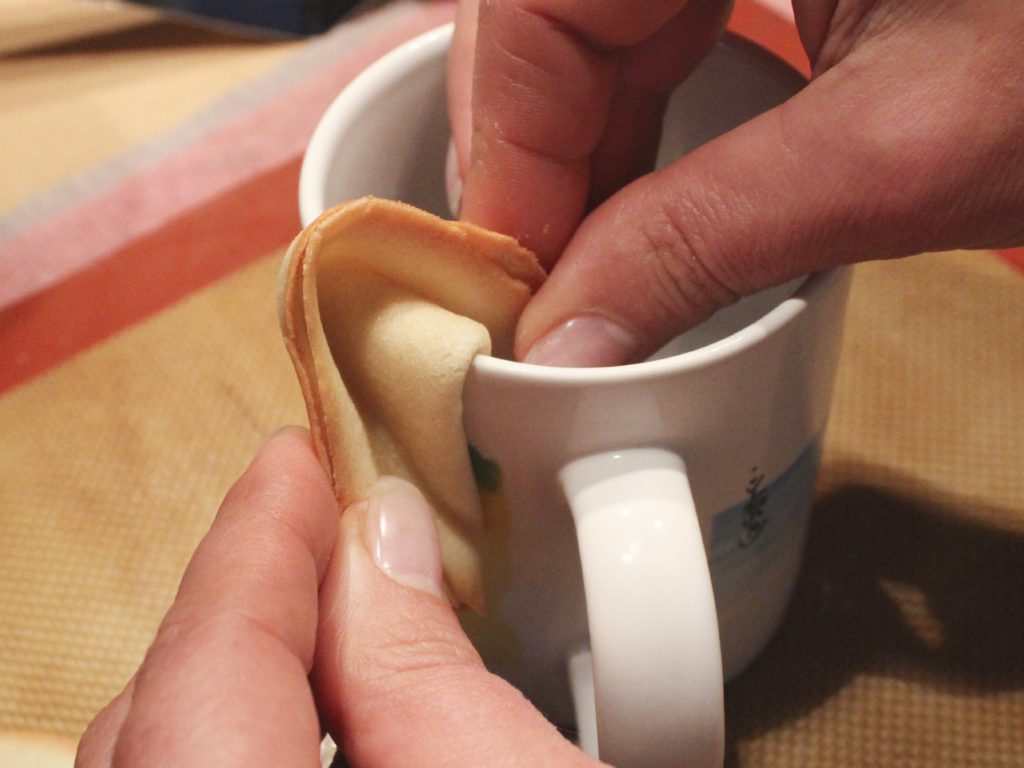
[(864, 163), (397, 680)]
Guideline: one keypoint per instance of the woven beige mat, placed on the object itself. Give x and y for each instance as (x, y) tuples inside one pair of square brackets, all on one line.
[(113, 465), (905, 643)]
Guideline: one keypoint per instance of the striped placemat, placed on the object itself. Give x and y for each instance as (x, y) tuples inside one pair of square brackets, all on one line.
[(141, 366)]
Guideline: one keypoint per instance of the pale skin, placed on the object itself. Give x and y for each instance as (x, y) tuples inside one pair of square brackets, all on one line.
[(910, 138), (285, 621)]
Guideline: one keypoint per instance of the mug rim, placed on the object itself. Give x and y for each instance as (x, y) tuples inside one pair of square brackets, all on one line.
[(397, 63), (350, 102), (408, 57), (810, 291)]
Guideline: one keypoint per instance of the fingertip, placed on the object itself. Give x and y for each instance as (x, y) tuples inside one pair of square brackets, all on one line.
[(97, 744), (286, 463), (401, 535), (288, 438), (397, 680), (588, 340), (286, 452)]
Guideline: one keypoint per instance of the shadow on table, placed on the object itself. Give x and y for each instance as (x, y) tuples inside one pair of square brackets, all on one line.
[(892, 585)]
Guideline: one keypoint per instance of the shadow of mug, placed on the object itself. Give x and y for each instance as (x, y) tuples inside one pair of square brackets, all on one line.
[(904, 615)]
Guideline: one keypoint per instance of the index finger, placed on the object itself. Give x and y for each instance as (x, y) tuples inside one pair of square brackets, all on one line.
[(225, 681), (545, 77)]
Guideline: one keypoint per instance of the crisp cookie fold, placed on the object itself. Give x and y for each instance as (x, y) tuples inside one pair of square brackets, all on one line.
[(383, 308)]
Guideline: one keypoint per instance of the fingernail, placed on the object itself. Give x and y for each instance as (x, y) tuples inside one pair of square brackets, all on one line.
[(402, 535), (586, 341), (453, 180)]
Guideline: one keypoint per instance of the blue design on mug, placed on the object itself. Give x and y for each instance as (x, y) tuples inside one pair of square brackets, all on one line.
[(747, 537)]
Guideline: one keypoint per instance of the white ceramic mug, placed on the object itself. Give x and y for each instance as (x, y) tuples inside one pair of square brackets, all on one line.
[(646, 521)]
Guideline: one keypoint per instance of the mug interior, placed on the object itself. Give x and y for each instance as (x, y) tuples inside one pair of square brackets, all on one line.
[(387, 135)]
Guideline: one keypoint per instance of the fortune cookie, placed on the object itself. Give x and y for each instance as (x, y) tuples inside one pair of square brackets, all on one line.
[(383, 308)]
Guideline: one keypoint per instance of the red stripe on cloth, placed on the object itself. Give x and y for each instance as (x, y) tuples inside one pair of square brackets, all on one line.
[(762, 25), (253, 143), (1014, 256), (198, 245), (199, 238), (150, 273)]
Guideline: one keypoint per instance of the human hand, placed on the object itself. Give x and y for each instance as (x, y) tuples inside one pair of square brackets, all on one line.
[(909, 138), (284, 623)]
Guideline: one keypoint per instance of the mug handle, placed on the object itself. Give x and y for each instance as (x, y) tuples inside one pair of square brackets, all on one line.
[(657, 660)]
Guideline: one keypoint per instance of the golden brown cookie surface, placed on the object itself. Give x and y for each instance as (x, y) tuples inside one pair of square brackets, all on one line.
[(383, 308)]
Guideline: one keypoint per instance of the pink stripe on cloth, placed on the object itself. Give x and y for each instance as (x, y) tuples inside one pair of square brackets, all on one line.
[(261, 139)]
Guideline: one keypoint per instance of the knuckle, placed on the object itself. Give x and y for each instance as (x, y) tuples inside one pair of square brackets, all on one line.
[(411, 652), (235, 630), (687, 280)]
